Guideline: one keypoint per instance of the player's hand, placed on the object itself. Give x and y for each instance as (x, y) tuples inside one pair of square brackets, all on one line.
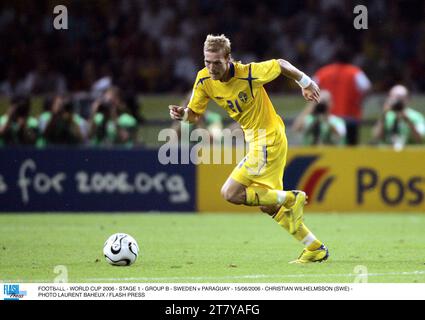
[(312, 92), (176, 112)]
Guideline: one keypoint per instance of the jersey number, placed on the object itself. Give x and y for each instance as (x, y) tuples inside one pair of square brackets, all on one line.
[(232, 106)]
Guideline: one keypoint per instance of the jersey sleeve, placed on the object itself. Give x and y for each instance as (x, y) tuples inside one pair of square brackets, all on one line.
[(32, 123), (339, 125), (3, 120), (419, 122), (199, 100), (420, 127), (362, 82), (264, 72)]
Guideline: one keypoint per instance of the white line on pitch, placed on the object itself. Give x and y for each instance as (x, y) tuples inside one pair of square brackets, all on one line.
[(254, 276), (260, 276)]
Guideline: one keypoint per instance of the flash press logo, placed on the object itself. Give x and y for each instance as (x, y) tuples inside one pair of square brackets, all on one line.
[(315, 183), (12, 292)]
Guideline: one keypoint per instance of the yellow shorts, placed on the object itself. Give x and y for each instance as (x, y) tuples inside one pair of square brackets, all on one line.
[(264, 164)]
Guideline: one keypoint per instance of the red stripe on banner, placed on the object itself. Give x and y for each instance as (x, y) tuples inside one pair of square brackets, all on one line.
[(312, 182)]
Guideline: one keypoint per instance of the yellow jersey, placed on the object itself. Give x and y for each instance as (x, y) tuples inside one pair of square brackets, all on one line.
[(243, 97)]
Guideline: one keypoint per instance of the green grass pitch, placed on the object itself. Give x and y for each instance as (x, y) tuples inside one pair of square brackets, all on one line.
[(211, 248)]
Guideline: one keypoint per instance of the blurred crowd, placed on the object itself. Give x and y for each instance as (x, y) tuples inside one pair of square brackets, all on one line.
[(110, 122), (90, 74), (107, 121), (156, 46), (397, 126)]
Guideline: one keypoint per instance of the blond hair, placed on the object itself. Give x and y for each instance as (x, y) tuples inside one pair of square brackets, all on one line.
[(217, 43)]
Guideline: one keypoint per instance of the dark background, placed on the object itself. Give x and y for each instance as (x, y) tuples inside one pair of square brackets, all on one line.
[(156, 46)]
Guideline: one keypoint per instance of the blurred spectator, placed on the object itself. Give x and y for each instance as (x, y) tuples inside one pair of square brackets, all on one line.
[(17, 127), (44, 119), (126, 123), (184, 70), (44, 80), (61, 125), (399, 125), (110, 122), (102, 127), (348, 85), (154, 18), (12, 86), (102, 84), (324, 48), (134, 40), (318, 126)]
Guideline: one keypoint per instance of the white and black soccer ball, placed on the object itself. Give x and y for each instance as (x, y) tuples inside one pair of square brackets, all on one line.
[(120, 249)]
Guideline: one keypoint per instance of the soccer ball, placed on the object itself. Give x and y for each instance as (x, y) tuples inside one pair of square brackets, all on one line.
[(120, 249)]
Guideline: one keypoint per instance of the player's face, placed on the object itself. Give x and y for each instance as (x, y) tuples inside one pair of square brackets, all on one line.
[(217, 64)]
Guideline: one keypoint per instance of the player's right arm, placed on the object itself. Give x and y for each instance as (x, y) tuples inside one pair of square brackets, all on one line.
[(179, 113), (197, 103)]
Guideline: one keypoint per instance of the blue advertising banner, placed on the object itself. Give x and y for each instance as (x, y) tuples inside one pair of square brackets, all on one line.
[(93, 180)]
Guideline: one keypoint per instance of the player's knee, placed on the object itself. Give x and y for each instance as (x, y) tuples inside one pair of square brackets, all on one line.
[(233, 196)]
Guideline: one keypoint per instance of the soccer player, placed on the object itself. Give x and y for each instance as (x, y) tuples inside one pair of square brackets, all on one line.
[(258, 179)]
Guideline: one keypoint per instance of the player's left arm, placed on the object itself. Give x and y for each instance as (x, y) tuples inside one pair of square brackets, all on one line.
[(310, 89)]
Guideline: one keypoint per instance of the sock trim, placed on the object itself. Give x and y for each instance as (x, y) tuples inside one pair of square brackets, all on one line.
[(308, 239), (281, 196)]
